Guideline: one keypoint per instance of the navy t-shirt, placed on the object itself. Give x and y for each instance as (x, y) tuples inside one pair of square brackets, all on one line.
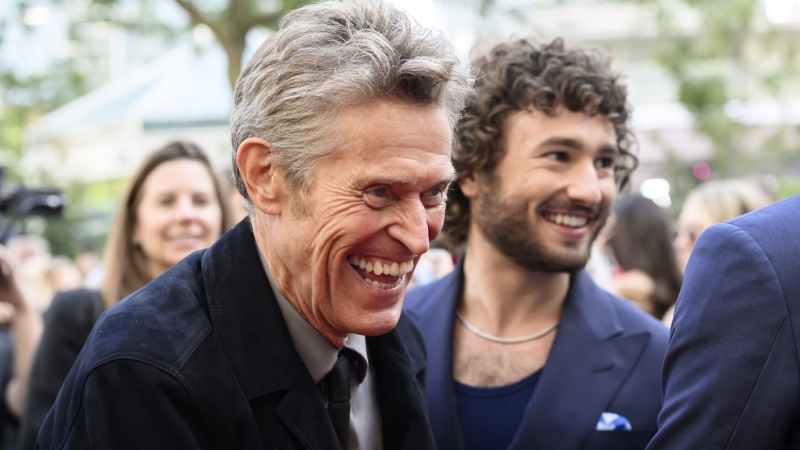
[(490, 417)]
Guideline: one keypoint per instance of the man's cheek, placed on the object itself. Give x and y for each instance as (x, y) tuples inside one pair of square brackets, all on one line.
[(435, 223)]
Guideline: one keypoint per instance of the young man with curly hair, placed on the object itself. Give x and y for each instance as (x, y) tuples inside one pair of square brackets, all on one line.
[(525, 351)]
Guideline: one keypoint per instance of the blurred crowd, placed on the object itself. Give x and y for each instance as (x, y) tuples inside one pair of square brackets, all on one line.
[(642, 252)]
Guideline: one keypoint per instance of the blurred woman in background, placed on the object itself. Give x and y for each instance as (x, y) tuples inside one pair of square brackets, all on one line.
[(713, 202), (172, 207), (641, 243)]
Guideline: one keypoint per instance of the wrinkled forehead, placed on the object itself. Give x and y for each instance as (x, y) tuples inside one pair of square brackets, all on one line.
[(398, 142)]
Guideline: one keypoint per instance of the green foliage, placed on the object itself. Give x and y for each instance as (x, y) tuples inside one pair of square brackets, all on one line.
[(734, 54), (703, 94)]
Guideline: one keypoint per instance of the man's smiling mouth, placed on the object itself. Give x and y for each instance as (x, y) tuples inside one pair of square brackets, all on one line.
[(381, 274), (567, 220)]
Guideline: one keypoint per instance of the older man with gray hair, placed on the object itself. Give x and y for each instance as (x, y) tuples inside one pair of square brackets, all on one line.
[(287, 333)]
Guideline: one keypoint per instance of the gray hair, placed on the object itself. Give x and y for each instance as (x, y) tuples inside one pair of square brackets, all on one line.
[(333, 55)]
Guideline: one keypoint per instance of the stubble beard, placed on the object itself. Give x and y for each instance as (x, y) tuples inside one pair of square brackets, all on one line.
[(507, 224)]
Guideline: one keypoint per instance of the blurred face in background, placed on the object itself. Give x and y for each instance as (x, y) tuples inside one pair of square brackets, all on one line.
[(178, 213), (694, 218)]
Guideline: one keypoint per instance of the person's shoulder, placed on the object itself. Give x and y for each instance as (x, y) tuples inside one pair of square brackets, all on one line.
[(161, 321), (76, 306), (771, 219), (770, 230), (786, 208)]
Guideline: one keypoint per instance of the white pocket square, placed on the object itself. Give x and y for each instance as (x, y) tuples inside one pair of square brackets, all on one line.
[(613, 422)]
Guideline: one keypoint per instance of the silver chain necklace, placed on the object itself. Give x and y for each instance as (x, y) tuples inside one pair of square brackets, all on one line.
[(503, 340)]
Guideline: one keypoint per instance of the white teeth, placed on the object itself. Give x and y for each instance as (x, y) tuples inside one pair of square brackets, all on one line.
[(378, 268), (384, 286), (568, 221)]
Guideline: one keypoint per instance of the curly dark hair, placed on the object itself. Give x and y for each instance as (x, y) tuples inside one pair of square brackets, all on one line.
[(525, 74)]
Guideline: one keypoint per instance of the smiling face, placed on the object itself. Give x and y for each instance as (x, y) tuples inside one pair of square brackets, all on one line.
[(177, 214), (371, 210), (550, 195)]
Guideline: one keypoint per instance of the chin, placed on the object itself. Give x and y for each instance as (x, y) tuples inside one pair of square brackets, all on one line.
[(375, 324)]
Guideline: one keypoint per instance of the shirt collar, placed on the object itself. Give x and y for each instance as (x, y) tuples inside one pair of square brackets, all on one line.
[(317, 353)]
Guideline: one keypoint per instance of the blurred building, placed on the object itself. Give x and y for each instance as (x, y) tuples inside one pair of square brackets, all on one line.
[(102, 136)]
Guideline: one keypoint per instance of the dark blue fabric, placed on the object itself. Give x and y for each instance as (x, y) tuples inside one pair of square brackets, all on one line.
[(606, 357), (490, 417), (201, 358), (732, 371)]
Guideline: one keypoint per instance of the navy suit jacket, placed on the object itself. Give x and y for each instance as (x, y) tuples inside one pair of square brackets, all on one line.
[(732, 371), (606, 357), (201, 358)]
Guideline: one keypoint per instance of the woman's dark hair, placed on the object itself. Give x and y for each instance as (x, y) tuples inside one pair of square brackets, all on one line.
[(527, 75), (642, 239), (125, 263)]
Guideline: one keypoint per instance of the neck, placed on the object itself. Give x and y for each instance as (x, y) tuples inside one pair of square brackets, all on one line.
[(284, 282), (505, 299)]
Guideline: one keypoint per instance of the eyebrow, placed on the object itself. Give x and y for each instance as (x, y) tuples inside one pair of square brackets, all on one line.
[(389, 180), (576, 144)]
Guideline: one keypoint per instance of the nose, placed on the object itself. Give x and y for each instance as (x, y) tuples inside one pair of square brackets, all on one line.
[(185, 211), (584, 184), (413, 229)]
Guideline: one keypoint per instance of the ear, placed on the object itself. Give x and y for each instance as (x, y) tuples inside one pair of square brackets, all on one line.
[(264, 181), (469, 185)]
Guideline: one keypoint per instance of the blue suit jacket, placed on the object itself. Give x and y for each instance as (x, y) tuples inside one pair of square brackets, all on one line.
[(606, 357), (201, 358), (732, 371)]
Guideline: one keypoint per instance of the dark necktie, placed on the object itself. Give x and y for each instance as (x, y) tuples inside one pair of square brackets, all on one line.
[(337, 383)]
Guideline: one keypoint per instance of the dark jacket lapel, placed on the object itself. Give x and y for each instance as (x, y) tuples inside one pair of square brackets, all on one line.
[(587, 364), (400, 393), (250, 328), (435, 322)]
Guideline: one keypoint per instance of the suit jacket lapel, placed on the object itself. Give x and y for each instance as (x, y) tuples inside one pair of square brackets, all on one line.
[(250, 328), (403, 416), (436, 325), (587, 364)]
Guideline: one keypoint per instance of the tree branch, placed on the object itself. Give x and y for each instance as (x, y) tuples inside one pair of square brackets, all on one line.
[(198, 17), (264, 19)]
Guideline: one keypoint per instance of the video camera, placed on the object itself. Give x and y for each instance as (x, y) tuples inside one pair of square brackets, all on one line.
[(21, 202)]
